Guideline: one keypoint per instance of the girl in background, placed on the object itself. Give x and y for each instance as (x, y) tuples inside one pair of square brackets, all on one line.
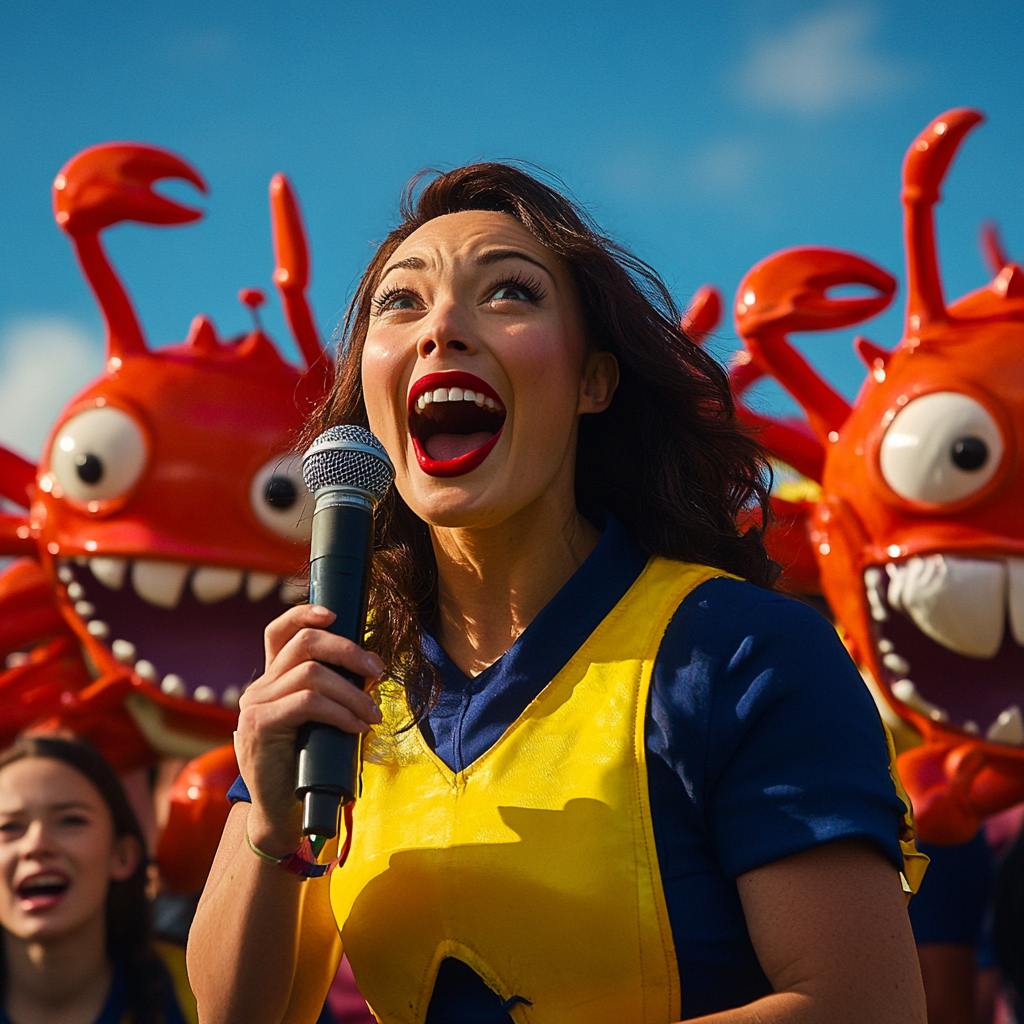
[(76, 932)]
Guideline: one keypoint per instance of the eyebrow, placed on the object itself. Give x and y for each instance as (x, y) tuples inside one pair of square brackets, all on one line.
[(63, 806), (483, 260)]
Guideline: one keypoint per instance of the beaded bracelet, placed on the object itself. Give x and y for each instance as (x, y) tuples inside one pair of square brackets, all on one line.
[(303, 862)]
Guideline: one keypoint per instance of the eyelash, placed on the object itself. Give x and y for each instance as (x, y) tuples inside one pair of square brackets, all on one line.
[(530, 286)]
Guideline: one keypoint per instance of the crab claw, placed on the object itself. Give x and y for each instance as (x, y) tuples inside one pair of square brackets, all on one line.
[(789, 291), (110, 183)]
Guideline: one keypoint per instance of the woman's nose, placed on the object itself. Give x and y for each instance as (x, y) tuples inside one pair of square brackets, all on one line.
[(445, 330), (37, 839)]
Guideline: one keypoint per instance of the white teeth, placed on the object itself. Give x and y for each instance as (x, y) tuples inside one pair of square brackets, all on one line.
[(490, 403), (229, 698), (873, 588), (76, 591), (469, 396), (427, 397), (895, 663), (441, 395), (455, 394), (259, 584), (1008, 728), (421, 403), (480, 399), (159, 583), (204, 695), (124, 651), (174, 686), (293, 593), (85, 609), (16, 659), (958, 602), (145, 670), (212, 583), (98, 629), (970, 726), (65, 574), (906, 691), (885, 646), (109, 570), (1015, 568)]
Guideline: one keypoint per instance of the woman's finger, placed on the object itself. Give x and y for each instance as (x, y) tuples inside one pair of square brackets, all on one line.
[(284, 716), (286, 625), (318, 645), (310, 675)]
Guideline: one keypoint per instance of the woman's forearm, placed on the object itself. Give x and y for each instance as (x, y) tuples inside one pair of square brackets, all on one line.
[(243, 945)]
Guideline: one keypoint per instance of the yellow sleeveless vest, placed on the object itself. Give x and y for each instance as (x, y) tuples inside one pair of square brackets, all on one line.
[(535, 865)]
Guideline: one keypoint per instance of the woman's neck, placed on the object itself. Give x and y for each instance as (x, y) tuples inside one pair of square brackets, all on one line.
[(65, 981), (492, 582)]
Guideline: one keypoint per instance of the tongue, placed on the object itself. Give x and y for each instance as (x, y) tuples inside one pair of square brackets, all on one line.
[(442, 447)]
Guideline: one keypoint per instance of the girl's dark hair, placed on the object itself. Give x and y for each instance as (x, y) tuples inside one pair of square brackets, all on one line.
[(666, 458), (1008, 920), (128, 921)]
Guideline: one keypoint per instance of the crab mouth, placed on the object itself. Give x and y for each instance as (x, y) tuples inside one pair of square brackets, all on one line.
[(196, 631), (948, 634), (455, 420)]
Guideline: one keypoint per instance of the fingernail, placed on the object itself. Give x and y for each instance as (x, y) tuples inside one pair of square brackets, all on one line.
[(319, 609)]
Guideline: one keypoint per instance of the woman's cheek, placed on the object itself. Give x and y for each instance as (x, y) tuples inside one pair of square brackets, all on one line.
[(382, 385)]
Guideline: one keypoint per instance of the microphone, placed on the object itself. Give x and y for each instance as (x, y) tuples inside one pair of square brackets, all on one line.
[(348, 472)]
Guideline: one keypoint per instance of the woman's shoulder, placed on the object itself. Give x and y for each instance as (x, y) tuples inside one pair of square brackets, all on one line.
[(724, 616)]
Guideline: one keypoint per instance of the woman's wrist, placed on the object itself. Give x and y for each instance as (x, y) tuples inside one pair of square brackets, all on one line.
[(272, 836)]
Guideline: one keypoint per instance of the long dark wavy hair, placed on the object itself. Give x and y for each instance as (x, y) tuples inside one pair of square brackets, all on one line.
[(667, 458), (127, 913)]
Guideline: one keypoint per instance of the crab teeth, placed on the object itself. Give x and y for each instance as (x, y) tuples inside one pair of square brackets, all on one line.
[(1015, 578), (259, 584), (145, 670), (110, 571), (159, 583), (1008, 728), (173, 685), (98, 629), (230, 697), (124, 651), (204, 695), (214, 583), (906, 691), (85, 609)]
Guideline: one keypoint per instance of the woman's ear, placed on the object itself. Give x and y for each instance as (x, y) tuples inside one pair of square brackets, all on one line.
[(125, 858), (600, 379)]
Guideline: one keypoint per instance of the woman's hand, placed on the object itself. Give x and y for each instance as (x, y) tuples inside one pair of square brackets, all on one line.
[(295, 689)]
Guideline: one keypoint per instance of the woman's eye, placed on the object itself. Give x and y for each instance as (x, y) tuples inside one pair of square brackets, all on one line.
[(11, 829), (512, 291), (394, 300), (74, 819)]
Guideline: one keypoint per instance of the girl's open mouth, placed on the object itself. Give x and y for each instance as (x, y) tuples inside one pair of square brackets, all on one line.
[(42, 891), (455, 419)]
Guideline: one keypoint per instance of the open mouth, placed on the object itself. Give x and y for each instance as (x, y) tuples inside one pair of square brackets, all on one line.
[(42, 890), (949, 637), (455, 420), (196, 631)]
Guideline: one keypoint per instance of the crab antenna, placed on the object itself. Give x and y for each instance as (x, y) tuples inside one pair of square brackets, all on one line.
[(992, 247), (291, 272), (924, 167)]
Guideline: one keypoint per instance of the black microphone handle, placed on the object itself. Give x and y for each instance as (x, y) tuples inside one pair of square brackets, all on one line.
[(341, 550)]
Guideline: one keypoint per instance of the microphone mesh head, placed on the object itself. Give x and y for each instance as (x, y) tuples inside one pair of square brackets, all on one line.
[(348, 456)]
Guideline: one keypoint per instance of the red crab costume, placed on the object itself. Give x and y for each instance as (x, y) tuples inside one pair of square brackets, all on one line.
[(163, 527), (919, 532)]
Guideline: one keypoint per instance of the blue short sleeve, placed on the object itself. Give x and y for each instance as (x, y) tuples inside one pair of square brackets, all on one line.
[(239, 791), (951, 904), (757, 707)]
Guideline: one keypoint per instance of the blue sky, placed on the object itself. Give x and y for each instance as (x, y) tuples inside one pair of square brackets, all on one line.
[(705, 135)]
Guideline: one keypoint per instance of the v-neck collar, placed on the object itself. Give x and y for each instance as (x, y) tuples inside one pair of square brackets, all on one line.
[(472, 713)]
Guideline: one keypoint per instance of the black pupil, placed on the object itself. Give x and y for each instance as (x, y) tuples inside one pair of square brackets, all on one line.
[(280, 492), (969, 452), (89, 468)]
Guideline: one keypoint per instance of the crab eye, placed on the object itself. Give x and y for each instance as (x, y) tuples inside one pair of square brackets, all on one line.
[(98, 454), (941, 448), (279, 497)]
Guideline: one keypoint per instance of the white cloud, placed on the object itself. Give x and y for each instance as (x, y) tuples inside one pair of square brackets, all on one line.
[(43, 362), (821, 63), (725, 167)]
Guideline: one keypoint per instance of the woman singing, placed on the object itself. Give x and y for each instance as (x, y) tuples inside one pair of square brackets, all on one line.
[(607, 775)]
